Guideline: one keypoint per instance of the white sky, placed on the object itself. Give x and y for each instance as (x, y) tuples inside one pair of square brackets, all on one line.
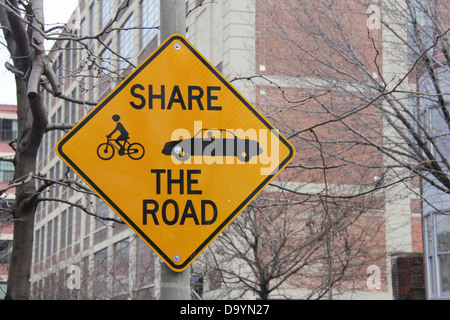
[(55, 11)]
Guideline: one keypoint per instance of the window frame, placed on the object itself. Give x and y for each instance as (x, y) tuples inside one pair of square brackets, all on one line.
[(434, 270), (10, 133)]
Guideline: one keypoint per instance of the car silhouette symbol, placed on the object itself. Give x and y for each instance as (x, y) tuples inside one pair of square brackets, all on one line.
[(218, 142)]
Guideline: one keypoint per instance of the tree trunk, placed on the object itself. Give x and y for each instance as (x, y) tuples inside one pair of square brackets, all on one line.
[(31, 129), (32, 123), (19, 270)]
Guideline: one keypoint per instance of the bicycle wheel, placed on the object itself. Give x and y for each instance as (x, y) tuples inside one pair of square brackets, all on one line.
[(136, 151), (105, 151)]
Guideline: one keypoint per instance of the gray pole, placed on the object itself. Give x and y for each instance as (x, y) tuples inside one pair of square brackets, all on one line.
[(172, 18), (174, 285)]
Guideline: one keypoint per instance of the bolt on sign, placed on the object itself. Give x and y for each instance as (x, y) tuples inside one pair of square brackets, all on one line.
[(176, 151)]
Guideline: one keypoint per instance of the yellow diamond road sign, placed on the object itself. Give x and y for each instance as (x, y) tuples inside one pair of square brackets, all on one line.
[(176, 152)]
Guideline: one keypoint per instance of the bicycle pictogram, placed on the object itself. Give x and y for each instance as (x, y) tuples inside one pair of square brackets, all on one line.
[(107, 150)]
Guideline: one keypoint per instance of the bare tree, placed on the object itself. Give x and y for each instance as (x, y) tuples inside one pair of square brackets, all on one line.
[(24, 32), (26, 48), (333, 51), (367, 116), (291, 239)]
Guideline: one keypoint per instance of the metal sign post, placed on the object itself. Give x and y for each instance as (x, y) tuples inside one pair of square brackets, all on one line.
[(174, 285)]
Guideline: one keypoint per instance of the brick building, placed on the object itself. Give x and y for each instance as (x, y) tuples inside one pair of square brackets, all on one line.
[(8, 132), (340, 191)]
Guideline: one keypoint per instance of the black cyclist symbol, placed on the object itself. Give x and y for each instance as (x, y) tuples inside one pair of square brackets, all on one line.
[(107, 149)]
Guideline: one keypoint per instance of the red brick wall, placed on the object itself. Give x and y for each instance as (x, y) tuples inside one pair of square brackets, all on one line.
[(408, 280), (302, 40)]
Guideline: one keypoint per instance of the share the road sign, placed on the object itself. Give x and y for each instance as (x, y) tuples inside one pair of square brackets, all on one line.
[(176, 152)]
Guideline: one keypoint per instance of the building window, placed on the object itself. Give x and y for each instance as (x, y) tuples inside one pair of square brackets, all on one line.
[(5, 251), (70, 226), (438, 130), (78, 214), (68, 65), (121, 269), (59, 69), (100, 274), (56, 176), (67, 112), (42, 242), (437, 252), (92, 19), (3, 286), (102, 211), (145, 272), (74, 48), (6, 171), (107, 11), (420, 28), (83, 33), (37, 238), (197, 286), (107, 67), (59, 118), (126, 42), (8, 130), (74, 117), (49, 238), (55, 235), (63, 229), (149, 19)]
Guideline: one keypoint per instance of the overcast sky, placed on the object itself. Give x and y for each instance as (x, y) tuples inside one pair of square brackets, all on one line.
[(55, 11)]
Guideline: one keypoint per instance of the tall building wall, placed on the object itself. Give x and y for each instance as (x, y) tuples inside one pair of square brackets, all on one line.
[(8, 132), (255, 44), (112, 262)]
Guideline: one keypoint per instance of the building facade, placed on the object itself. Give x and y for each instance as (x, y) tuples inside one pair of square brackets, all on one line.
[(66, 238), (437, 206), (255, 44), (8, 133)]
